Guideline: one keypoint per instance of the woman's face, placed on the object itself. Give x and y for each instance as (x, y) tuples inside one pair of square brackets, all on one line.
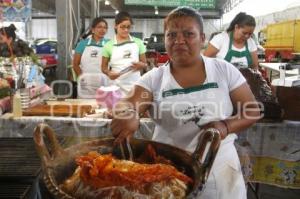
[(4, 39), (123, 28), (100, 30), (243, 33), (183, 40)]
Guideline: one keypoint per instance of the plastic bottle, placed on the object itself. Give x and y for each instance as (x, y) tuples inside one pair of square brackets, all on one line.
[(17, 106), (282, 74)]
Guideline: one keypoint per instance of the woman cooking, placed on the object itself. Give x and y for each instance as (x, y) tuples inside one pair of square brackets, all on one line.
[(188, 95), (87, 60), (235, 45), (124, 56)]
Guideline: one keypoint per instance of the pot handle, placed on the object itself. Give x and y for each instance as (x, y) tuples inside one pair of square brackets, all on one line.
[(211, 135), (40, 146)]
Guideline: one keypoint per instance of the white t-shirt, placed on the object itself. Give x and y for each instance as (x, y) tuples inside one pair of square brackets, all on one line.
[(159, 81), (222, 72), (175, 126), (221, 42)]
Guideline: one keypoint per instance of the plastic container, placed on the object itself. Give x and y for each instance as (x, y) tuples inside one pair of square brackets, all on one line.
[(17, 105), (108, 96), (282, 74)]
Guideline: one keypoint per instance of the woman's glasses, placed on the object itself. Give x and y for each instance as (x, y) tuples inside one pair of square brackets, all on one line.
[(124, 27)]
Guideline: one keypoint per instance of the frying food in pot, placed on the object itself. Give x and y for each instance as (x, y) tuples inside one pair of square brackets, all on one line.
[(104, 176)]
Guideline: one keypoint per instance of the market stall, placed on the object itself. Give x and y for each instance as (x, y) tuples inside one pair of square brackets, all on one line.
[(269, 152)]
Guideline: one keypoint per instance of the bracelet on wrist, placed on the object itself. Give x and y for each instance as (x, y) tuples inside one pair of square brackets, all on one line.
[(127, 110), (226, 125)]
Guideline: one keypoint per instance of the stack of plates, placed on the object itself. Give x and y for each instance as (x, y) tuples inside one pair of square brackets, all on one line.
[(25, 98)]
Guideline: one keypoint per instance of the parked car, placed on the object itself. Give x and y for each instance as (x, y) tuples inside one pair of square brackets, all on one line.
[(156, 42), (146, 40), (45, 46), (46, 49), (156, 52), (137, 34), (261, 53)]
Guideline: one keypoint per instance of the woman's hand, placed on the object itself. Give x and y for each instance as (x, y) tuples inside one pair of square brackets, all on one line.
[(138, 65), (219, 125), (124, 124), (113, 75)]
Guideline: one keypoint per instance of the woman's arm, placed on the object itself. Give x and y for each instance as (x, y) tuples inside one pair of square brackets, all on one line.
[(211, 51), (143, 58), (76, 63), (247, 112), (247, 109), (255, 60), (106, 71), (126, 112), (141, 64)]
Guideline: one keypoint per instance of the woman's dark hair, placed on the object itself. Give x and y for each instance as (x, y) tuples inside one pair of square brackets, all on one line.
[(98, 20), (94, 24), (184, 11), (123, 16), (9, 31), (241, 19)]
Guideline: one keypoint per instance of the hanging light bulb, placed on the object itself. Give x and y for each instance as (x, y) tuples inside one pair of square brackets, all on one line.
[(106, 2), (117, 12), (156, 10)]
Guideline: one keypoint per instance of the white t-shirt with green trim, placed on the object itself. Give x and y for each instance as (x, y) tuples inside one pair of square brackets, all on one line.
[(222, 78), (221, 42), (223, 72), (183, 111)]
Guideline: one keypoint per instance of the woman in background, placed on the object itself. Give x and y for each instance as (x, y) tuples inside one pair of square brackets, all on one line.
[(236, 45), (123, 57), (11, 46), (87, 60)]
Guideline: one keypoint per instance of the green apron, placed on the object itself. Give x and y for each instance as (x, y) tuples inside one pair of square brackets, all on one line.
[(233, 53)]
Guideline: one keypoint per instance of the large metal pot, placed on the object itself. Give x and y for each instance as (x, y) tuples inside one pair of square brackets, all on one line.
[(60, 164)]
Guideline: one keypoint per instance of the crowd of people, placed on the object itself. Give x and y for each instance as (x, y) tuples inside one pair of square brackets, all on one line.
[(103, 62), (99, 61), (119, 61)]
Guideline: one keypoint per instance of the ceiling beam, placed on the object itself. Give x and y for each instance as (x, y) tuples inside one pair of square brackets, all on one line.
[(162, 14), (43, 6)]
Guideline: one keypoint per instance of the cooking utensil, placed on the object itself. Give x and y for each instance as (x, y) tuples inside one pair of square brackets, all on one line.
[(60, 163), (124, 149), (125, 70)]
